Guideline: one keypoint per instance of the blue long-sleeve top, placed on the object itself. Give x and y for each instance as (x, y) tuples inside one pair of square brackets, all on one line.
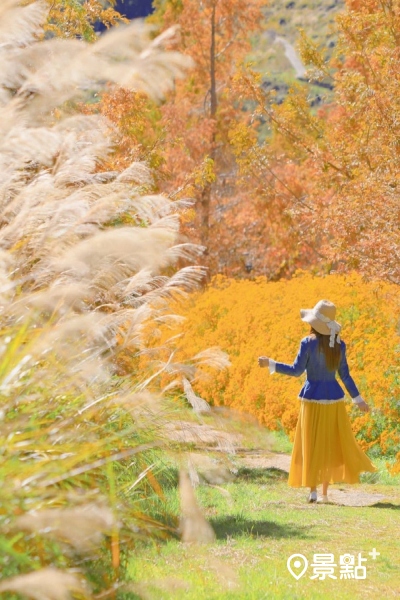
[(321, 384)]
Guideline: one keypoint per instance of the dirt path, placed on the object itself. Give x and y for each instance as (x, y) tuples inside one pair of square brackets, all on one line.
[(338, 494), (204, 439), (292, 56)]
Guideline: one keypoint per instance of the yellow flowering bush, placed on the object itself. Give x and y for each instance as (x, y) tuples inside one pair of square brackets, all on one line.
[(248, 319)]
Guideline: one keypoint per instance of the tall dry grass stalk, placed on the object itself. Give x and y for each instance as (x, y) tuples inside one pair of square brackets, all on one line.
[(193, 526), (76, 442)]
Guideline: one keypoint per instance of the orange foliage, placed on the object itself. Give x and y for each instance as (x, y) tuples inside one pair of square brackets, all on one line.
[(347, 154), (186, 139), (188, 108), (138, 134), (69, 18), (199, 112), (248, 319)]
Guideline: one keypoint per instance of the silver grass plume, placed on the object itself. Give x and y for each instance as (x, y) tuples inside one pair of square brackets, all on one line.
[(82, 527), (56, 203), (69, 278), (198, 404), (194, 528), (46, 584)]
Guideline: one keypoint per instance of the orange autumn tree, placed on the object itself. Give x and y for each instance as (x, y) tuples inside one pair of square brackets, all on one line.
[(189, 143), (288, 231), (138, 133), (198, 113), (346, 155)]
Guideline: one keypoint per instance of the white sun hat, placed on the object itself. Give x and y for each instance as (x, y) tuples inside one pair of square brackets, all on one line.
[(322, 319)]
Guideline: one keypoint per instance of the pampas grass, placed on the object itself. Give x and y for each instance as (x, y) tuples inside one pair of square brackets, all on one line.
[(82, 527), (198, 404), (78, 287), (194, 528), (46, 584), (72, 284)]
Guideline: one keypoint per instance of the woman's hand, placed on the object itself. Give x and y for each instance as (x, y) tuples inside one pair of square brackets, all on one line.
[(363, 406), (263, 361)]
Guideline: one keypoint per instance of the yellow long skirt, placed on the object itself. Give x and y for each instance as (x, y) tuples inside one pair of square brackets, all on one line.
[(325, 448)]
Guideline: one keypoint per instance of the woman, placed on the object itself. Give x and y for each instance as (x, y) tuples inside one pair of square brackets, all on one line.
[(325, 449)]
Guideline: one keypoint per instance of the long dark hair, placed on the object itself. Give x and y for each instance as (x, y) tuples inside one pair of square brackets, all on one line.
[(332, 355)]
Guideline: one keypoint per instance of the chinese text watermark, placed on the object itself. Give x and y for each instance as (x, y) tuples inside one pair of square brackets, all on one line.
[(325, 567)]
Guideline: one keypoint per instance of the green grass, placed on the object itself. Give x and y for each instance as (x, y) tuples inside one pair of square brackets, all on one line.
[(283, 19), (382, 476), (316, 18), (258, 527)]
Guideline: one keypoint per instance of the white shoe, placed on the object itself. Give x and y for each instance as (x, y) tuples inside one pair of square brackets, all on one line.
[(312, 497), (323, 500)]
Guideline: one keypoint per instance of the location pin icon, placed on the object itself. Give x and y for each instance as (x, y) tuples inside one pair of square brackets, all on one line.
[(294, 563)]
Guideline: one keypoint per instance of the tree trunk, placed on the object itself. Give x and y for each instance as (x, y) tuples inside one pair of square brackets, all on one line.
[(206, 192)]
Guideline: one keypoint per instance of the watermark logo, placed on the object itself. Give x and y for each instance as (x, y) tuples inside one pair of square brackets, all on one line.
[(324, 566), (295, 563)]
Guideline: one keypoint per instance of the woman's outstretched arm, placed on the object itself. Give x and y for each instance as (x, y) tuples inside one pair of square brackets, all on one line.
[(298, 366)]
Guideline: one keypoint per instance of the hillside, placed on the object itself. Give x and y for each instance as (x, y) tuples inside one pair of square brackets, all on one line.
[(275, 52)]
